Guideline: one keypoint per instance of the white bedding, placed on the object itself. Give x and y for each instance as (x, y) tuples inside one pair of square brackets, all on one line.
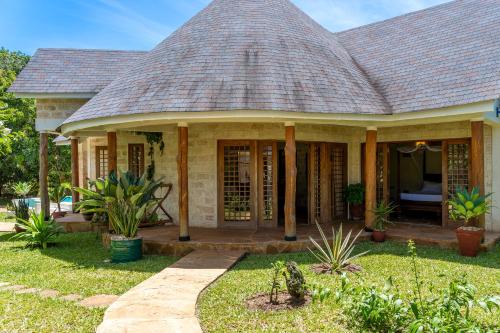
[(421, 197)]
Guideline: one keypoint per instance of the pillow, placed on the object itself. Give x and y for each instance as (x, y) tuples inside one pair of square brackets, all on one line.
[(431, 188)]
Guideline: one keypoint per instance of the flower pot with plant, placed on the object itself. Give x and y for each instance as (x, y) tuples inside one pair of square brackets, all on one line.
[(57, 194), (468, 207), (354, 196), (382, 214)]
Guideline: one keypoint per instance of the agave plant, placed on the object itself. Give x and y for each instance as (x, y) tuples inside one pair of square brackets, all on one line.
[(38, 232), (382, 213), (337, 256), (468, 206)]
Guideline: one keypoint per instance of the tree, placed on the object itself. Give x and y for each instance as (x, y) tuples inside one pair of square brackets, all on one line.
[(18, 137)]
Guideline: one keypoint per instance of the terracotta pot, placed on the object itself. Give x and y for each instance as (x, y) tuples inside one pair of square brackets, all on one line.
[(356, 211), (378, 236), (18, 229), (88, 216), (469, 240), (57, 215)]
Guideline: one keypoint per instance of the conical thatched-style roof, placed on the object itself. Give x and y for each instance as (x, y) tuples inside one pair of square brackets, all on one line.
[(242, 55)]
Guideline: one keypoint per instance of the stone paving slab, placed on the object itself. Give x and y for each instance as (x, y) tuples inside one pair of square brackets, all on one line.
[(6, 226), (166, 302), (98, 301)]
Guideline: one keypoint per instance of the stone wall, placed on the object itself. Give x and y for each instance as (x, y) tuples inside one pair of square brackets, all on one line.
[(51, 113)]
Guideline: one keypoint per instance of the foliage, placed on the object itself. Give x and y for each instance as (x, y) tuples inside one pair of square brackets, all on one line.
[(58, 193), (337, 256), (354, 193), (295, 281), (320, 293), (278, 268), (18, 116), (153, 138), (22, 189), (38, 231), (382, 213), (467, 206), (22, 210)]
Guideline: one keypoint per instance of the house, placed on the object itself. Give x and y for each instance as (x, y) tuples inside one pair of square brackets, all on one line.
[(266, 116)]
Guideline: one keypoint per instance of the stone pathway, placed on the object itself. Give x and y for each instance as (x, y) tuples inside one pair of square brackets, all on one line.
[(166, 302), (97, 301), (6, 226)]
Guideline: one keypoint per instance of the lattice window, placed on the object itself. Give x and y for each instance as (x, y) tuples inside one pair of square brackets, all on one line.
[(380, 174), (237, 183), (315, 165), (267, 182), (458, 167), (339, 180), (101, 161), (136, 159)]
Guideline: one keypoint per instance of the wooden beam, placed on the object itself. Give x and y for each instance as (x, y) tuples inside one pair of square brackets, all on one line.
[(291, 183), (112, 156), (444, 182), (44, 174), (182, 174), (477, 159), (325, 176), (75, 176), (370, 177)]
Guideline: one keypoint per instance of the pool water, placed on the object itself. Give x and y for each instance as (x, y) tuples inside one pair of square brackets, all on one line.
[(67, 199), (32, 202)]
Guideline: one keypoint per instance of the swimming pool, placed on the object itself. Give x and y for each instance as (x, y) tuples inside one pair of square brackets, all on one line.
[(35, 203)]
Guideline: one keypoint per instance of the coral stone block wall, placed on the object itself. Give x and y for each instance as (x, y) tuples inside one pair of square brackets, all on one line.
[(51, 113)]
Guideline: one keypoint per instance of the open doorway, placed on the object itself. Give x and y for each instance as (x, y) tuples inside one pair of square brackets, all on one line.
[(416, 181), (301, 198)]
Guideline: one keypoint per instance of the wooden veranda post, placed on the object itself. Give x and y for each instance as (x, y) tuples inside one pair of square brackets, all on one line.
[(182, 174), (370, 176), (44, 173), (477, 158), (75, 176), (291, 182), (112, 160)]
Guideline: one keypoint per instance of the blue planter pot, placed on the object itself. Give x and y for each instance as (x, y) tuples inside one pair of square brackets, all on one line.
[(126, 250)]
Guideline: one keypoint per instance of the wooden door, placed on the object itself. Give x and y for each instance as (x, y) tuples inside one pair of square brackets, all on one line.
[(383, 179), (101, 161), (338, 179), (267, 173)]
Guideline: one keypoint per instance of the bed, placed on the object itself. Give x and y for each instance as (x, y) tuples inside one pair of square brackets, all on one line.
[(428, 199)]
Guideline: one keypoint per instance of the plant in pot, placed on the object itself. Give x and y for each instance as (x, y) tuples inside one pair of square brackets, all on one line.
[(57, 194), (382, 214), (468, 207), (354, 196)]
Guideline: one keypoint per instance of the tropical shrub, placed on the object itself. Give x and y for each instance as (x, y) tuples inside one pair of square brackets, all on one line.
[(58, 193), (382, 213), (295, 281), (354, 194), (337, 256), (21, 189), (467, 206), (38, 231)]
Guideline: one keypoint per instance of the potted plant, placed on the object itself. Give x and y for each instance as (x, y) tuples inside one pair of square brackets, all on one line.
[(354, 195), (468, 207), (57, 194), (382, 213)]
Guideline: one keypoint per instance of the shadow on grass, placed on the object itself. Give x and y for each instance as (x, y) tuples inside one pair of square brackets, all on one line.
[(486, 259), (85, 250)]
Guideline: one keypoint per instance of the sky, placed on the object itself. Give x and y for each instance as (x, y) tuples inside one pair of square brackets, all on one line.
[(26, 25)]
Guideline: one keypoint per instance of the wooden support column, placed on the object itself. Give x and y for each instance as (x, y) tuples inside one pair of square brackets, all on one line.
[(112, 156), (477, 159), (75, 176), (370, 176), (325, 176), (291, 182), (44, 173), (182, 174)]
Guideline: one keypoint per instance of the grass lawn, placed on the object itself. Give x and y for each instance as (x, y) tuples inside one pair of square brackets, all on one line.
[(7, 217), (222, 309), (77, 264)]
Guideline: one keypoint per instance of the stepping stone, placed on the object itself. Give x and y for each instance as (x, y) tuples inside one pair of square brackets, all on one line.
[(49, 293), (13, 287), (27, 291), (98, 301), (3, 284), (71, 297)]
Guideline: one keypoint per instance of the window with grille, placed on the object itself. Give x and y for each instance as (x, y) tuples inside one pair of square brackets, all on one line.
[(101, 161), (267, 174), (339, 179), (458, 167), (236, 182), (136, 159), (314, 183)]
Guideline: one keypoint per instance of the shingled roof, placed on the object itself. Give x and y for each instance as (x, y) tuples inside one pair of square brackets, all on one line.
[(242, 55), (72, 71), (438, 57)]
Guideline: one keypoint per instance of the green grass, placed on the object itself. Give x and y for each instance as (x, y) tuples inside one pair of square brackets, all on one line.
[(221, 307), (76, 264), (7, 217)]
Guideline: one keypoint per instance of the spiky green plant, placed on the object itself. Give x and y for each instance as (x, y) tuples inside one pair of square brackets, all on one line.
[(382, 213), (58, 193), (22, 189), (468, 206), (336, 256), (38, 231)]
